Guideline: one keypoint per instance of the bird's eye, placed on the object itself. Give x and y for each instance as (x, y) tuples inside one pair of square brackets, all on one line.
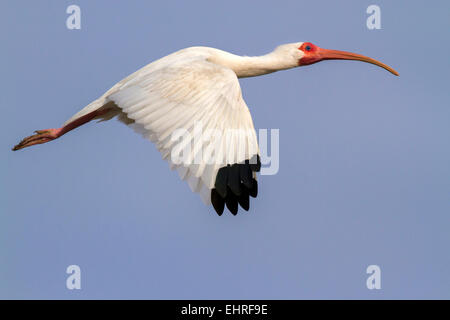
[(308, 48)]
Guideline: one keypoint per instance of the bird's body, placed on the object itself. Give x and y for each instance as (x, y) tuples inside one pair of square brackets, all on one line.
[(193, 95)]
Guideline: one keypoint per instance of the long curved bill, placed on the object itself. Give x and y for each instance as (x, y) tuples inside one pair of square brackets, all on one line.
[(327, 54)]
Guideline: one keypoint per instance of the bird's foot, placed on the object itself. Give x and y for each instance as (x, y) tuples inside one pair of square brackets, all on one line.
[(41, 136)]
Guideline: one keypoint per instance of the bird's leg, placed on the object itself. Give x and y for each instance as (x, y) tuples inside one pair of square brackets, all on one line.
[(43, 136)]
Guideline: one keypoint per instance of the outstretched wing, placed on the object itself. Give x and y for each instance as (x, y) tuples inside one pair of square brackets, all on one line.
[(195, 114)]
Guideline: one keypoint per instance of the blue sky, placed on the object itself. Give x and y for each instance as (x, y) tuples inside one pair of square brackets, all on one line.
[(364, 156)]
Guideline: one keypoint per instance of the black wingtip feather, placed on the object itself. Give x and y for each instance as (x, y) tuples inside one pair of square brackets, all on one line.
[(234, 179), (244, 199), (232, 202), (253, 191), (221, 181), (246, 175), (234, 184), (217, 201)]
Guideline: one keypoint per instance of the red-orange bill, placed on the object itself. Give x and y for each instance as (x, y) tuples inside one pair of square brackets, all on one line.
[(327, 54)]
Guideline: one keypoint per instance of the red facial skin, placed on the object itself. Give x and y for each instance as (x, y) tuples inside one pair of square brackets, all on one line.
[(313, 54)]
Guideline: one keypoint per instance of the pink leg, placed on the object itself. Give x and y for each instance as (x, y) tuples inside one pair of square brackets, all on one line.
[(43, 136)]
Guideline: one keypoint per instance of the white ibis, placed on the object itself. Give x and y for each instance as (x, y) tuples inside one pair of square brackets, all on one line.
[(193, 85)]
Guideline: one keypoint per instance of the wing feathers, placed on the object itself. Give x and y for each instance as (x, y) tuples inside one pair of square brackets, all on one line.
[(189, 95)]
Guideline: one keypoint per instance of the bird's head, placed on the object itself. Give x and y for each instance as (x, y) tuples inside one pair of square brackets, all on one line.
[(310, 53)]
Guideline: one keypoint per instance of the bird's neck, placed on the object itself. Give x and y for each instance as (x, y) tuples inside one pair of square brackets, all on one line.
[(245, 66)]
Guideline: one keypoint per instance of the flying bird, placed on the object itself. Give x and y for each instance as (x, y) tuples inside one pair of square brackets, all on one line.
[(199, 85)]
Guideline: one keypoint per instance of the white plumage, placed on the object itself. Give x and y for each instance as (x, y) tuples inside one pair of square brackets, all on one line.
[(195, 94), (178, 91)]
